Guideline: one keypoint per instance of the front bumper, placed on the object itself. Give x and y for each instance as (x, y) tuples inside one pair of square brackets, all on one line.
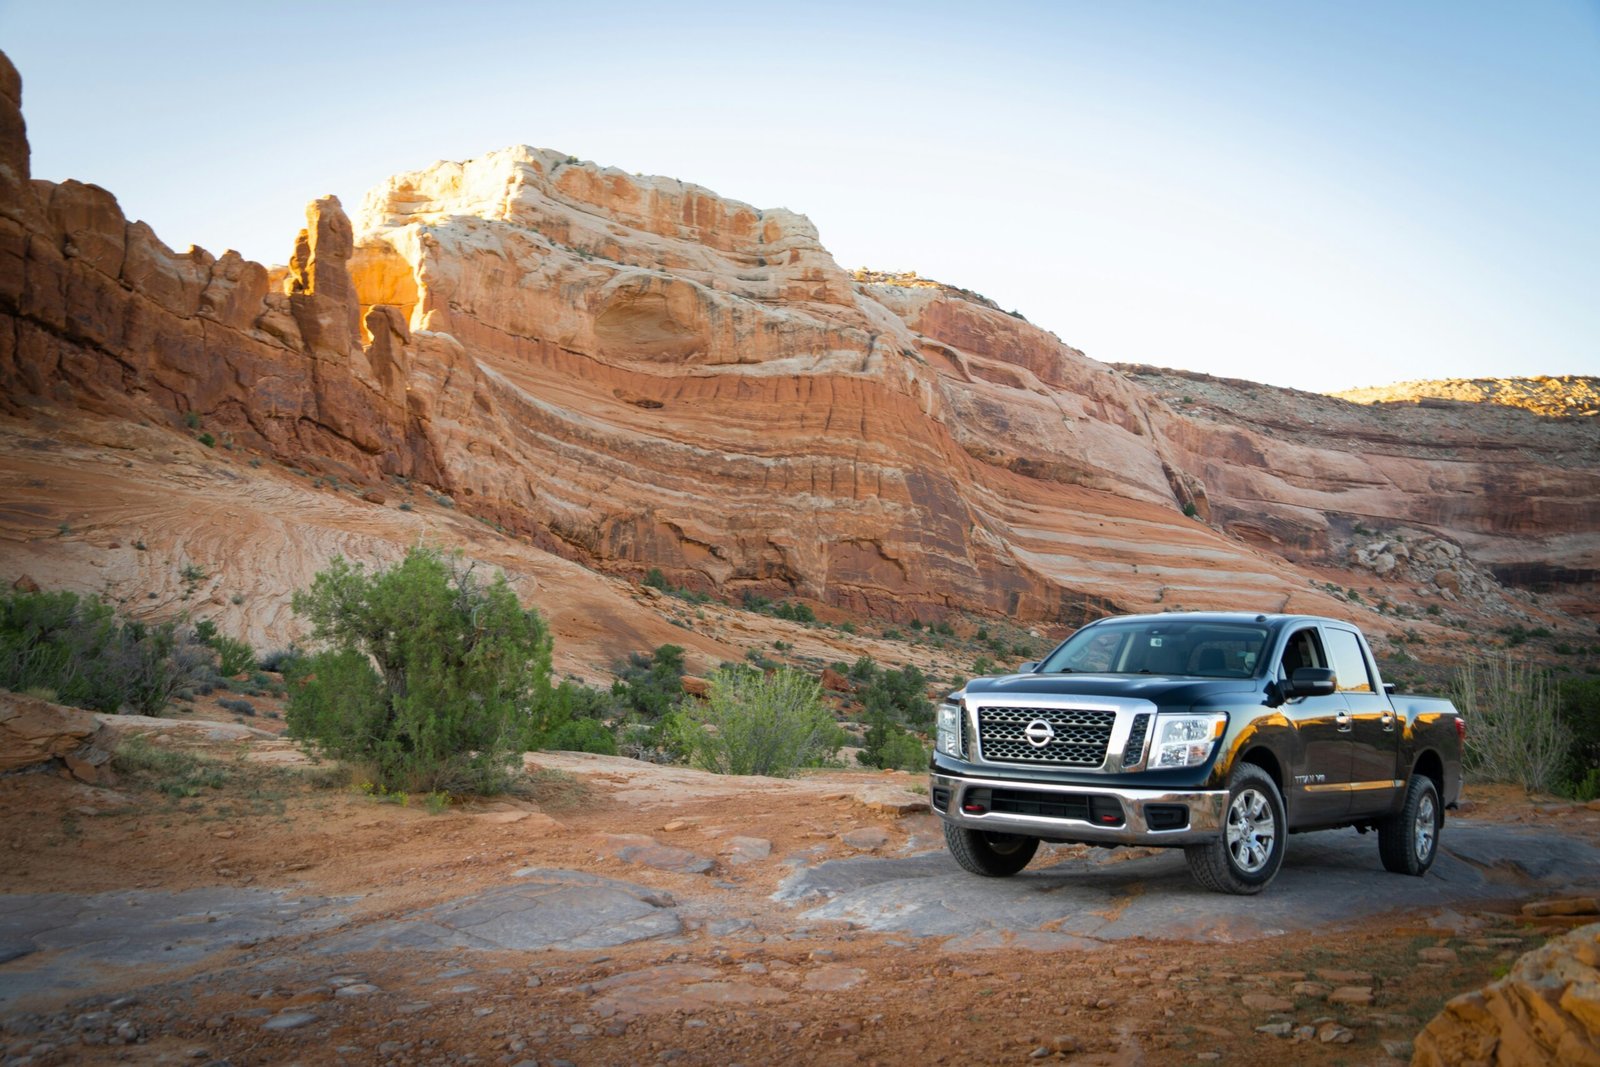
[(1090, 814)]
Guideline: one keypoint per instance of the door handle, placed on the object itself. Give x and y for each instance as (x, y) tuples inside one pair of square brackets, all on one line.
[(1343, 721), (1388, 721)]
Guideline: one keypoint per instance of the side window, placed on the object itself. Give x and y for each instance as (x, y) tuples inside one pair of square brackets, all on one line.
[(1349, 665), (1303, 650)]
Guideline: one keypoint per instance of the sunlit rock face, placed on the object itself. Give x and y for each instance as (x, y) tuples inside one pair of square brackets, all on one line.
[(635, 372)]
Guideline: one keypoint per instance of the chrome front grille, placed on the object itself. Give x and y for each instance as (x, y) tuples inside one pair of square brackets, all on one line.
[(1072, 737)]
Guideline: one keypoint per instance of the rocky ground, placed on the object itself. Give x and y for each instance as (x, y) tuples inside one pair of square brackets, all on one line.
[(226, 900)]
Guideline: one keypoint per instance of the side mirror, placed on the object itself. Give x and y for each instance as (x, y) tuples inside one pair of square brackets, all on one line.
[(1310, 682), (1029, 667)]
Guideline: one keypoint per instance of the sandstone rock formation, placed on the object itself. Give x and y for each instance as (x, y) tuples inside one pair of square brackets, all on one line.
[(35, 731), (633, 372), (1559, 395), (1546, 1011)]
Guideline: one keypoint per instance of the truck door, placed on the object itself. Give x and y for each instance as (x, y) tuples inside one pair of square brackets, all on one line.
[(1374, 733), (1319, 780)]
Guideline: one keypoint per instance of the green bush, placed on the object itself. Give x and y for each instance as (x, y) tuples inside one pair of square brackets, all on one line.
[(888, 745), (79, 648), (755, 723), (233, 656), (1580, 712), (650, 685), (1514, 731), (896, 695), (795, 611), (581, 735), (434, 680)]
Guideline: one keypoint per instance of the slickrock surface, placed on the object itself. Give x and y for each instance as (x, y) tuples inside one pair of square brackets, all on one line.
[(276, 917)]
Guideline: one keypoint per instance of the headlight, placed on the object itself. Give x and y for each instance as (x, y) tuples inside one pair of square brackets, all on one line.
[(1185, 740), (949, 728)]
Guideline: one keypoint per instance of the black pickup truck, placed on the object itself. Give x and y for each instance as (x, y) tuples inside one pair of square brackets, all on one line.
[(1218, 733)]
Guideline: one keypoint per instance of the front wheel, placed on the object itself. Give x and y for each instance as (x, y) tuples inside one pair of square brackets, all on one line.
[(991, 855), (1407, 842), (1248, 854)]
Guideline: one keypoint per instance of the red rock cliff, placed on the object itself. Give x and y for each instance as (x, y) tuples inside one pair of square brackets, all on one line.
[(639, 373)]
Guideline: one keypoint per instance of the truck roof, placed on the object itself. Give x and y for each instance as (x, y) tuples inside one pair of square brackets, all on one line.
[(1269, 618)]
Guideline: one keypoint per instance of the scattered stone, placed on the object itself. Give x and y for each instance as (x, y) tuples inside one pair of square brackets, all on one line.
[(892, 800), (1345, 977), (866, 838), (1564, 906), (1334, 1034), (741, 850), (1437, 954), (1266, 1002), (1358, 996), (1278, 1029), (1397, 1050), (666, 858), (289, 1020), (1312, 989), (357, 989), (834, 978)]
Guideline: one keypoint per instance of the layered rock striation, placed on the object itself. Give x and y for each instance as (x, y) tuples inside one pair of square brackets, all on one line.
[(636, 373)]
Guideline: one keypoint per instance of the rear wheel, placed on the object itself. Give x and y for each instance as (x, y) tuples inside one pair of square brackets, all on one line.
[(991, 855), (1407, 842), (1248, 854)]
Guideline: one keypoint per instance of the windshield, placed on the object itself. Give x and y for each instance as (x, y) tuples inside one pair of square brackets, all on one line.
[(1160, 646)]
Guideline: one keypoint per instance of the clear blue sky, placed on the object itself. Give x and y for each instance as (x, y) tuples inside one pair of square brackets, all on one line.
[(1319, 195)]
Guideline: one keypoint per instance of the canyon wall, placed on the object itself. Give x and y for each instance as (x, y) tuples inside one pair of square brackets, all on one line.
[(635, 372)]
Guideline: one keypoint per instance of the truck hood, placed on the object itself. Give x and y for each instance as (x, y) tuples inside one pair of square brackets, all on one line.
[(1159, 689)]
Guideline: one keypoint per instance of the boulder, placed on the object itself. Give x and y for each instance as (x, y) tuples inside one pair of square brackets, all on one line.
[(1546, 1010), (34, 731)]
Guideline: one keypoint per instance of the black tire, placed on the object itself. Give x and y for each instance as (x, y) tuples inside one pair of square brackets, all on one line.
[(991, 855), (1409, 841), (1248, 854)]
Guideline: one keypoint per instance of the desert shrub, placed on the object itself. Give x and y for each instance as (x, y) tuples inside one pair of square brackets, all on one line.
[(242, 707), (1514, 730), (79, 648), (278, 660), (434, 679), (755, 723), (233, 656), (1580, 712), (795, 611), (581, 735), (888, 745), (896, 695), (650, 684)]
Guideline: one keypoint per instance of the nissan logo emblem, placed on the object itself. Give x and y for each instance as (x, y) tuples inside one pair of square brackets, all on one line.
[(1039, 733)]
